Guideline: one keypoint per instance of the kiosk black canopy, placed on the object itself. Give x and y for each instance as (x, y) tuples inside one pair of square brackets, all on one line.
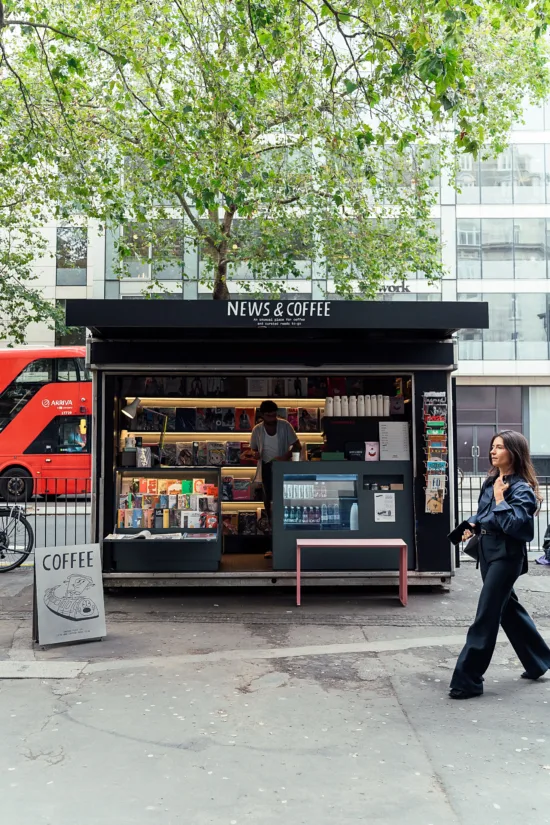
[(434, 320)]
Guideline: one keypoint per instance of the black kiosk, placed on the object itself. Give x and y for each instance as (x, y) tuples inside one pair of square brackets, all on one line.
[(366, 385)]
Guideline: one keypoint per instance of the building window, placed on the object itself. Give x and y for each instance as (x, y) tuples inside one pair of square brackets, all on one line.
[(468, 248), (539, 431), (518, 328), (70, 336), (517, 175), (531, 317), (500, 406), (530, 248), (468, 180), (151, 253), (470, 341), (529, 173), (167, 251), (499, 339), (136, 255), (497, 248), (496, 178), (502, 248), (71, 256)]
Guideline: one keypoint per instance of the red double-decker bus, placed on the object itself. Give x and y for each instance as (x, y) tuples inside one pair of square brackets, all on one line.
[(45, 416)]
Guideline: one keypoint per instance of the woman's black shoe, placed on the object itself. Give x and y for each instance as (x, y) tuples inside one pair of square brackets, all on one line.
[(533, 678), (456, 693)]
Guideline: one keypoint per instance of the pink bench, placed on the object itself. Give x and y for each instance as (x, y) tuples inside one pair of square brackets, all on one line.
[(397, 543)]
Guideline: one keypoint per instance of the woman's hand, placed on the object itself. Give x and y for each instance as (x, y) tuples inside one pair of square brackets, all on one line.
[(467, 534), (499, 488)]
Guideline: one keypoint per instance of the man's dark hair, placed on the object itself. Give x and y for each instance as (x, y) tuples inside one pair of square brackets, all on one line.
[(268, 407)]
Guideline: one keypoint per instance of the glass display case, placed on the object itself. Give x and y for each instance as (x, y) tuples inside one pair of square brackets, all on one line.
[(320, 502), (339, 500), (166, 520)]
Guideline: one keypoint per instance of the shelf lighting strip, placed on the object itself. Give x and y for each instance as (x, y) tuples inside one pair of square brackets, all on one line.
[(152, 437), (247, 403)]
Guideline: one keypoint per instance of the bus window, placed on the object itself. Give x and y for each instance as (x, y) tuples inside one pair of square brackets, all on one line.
[(23, 388), (66, 369), (62, 435), (71, 437), (85, 373), (37, 372)]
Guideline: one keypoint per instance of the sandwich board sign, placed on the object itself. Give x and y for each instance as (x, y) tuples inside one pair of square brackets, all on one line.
[(68, 594)]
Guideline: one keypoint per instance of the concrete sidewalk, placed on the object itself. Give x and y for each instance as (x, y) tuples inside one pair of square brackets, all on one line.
[(230, 708)]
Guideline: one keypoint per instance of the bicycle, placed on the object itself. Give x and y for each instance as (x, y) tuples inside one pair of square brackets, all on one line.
[(16, 538)]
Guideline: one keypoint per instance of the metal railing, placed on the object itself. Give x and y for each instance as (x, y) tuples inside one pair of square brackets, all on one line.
[(468, 494), (58, 509)]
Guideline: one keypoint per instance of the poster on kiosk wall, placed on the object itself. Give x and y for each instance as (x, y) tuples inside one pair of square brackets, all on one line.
[(68, 595)]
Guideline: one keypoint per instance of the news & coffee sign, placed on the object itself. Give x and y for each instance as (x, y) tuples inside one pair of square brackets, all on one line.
[(279, 313)]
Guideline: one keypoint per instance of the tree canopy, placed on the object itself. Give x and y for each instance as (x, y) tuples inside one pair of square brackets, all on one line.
[(263, 132)]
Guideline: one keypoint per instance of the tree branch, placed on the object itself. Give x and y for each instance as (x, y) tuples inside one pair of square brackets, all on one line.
[(193, 218), (6, 23), (22, 87), (59, 100)]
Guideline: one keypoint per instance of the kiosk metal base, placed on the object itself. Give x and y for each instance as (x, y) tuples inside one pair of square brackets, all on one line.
[(271, 578)]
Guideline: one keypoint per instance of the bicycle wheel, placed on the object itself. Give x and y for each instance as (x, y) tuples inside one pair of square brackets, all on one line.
[(16, 540)]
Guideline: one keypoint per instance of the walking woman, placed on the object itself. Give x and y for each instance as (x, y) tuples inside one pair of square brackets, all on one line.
[(504, 522)]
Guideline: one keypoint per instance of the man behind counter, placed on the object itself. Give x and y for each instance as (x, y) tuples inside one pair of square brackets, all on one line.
[(274, 439)]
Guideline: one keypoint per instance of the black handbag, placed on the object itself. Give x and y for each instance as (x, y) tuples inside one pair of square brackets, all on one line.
[(472, 547)]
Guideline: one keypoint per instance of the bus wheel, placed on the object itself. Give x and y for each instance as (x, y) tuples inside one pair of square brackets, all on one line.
[(16, 485)]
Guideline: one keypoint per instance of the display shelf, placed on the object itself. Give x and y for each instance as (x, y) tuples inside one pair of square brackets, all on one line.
[(243, 505), (169, 471), (231, 469), (311, 499), (199, 548), (153, 436), (156, 531), (218, 401), (360, 418)]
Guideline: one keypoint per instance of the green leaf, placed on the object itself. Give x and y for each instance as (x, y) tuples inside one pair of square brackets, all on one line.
[(350, 85)]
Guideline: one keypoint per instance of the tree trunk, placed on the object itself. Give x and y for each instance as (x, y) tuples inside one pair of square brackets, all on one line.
[(221, 292)]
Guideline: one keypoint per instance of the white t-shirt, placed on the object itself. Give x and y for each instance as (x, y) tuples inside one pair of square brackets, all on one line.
[(281, 442), (271, 448)]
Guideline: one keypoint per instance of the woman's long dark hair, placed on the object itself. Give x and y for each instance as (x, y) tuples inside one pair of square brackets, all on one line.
[(518, 447)]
